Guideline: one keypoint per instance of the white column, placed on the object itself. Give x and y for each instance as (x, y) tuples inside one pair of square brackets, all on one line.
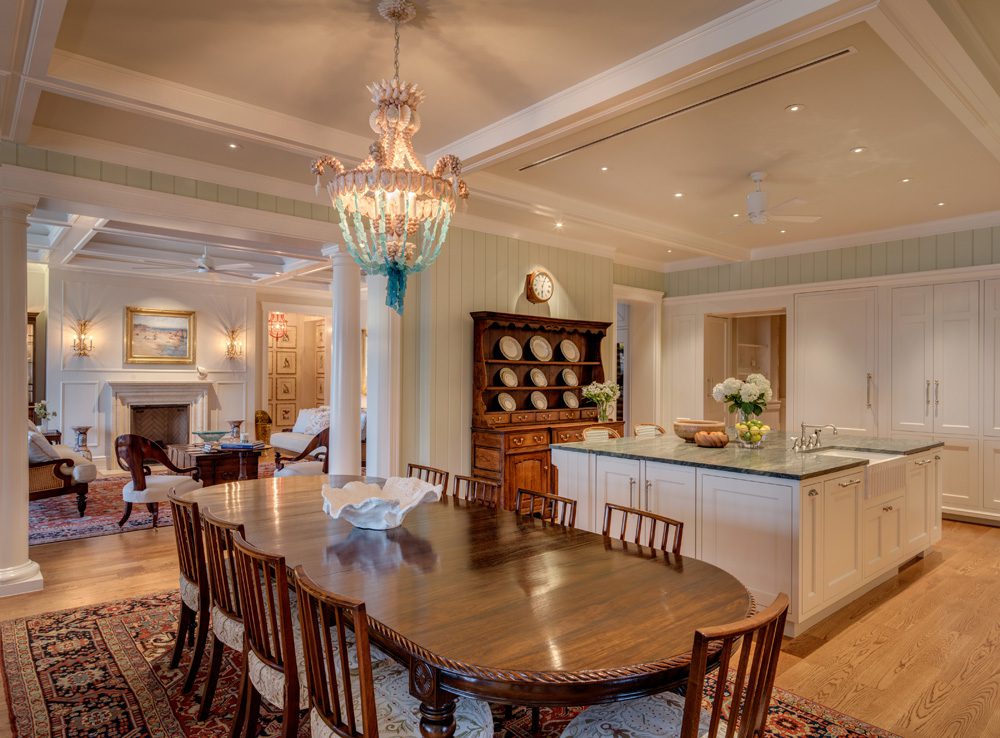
[(345, 363), (385, 333), (18, 573)]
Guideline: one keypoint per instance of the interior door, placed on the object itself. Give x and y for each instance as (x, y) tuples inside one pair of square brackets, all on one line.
[(912, 359), (956, 358), (716, 340)]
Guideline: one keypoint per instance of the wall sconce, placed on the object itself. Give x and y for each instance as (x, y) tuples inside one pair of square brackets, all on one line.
[(234, 347), (83, 344)]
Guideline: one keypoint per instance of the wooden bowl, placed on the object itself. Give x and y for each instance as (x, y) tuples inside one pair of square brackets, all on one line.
[(686, 428)]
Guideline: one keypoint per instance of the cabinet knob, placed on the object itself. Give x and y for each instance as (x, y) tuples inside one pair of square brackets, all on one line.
[(887, 508), (813, 493)]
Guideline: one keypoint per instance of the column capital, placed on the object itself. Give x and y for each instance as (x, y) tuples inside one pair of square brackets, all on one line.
[(17, 202), (338, 256)]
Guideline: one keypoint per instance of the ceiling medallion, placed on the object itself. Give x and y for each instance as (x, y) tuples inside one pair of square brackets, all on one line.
[(394, 214)]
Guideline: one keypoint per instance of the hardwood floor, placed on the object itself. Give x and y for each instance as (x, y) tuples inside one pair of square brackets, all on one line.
[(920, 655)]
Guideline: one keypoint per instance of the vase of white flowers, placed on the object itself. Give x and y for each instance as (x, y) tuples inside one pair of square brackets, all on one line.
[(602, 394), (43, 413), (748, 399)]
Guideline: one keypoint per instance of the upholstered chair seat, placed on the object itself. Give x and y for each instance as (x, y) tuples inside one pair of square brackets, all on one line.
[(159, 487), (301, 469), (190, 595), (658, 716), (228, 630)]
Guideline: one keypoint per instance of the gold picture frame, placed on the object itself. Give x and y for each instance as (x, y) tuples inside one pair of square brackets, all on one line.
[(155, 336)]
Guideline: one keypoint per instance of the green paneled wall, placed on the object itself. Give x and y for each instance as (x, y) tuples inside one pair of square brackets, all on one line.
[(647, 279)]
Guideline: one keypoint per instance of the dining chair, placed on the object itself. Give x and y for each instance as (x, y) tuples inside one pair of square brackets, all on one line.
[(134, 453), (307, 463), (599, 433), (480, 491), (746, 693), (272, 663), (360, 699), (193, 585), (550, 508), (634, 520), (429, 474), (227, 616), (648, 430)]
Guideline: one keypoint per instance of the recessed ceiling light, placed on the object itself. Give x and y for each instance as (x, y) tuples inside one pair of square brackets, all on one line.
[(858, 150), (678, 194), (905, 180), (670, 251), (940, 204), (559, 224), (736, 215), (795, 107), (783, 231), (233, 146), (604, 169)]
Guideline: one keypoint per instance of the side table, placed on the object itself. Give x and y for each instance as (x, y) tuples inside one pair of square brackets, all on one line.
[(52, 436), (80, 442)]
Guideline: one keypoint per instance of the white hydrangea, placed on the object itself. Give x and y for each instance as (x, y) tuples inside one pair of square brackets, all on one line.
[(718, 392), (732, 386), (760, 380), (749, 392), (768, 393)]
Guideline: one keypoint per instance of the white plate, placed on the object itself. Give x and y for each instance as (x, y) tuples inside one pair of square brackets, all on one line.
[(571, 400), (538, 401), (538, 377), (569, 350), (506, 402), (510, 348), (540, 348), (569, 377), (508, 377)]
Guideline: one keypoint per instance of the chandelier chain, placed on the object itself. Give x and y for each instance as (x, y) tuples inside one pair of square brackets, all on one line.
[(395, 56)]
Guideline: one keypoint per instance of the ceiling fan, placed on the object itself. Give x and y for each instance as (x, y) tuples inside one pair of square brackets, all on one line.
[(205, 264), (758, 212)]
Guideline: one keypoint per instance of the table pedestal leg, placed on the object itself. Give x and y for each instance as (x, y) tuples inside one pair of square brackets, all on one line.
[(437, 721), (243, 467)]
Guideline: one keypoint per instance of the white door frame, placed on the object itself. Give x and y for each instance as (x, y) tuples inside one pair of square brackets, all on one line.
[(653, 300)]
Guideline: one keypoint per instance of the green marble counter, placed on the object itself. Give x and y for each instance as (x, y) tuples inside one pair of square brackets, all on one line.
[(775, 459)]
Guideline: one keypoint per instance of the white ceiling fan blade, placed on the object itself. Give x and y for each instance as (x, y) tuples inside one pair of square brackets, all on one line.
[(236, 266), (789, 203), (795, 218), (234, 275)]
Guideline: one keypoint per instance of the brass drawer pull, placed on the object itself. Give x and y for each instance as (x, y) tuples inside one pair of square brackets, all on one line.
[(850, 483), (925, 462)]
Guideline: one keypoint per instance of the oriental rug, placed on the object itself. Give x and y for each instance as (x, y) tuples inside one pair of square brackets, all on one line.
[(103, 671), (57, 519)]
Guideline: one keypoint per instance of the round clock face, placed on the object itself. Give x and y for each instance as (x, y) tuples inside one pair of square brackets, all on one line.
[(541, 285)]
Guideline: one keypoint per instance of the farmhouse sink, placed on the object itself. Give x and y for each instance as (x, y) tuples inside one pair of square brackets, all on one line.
[(873, 457)]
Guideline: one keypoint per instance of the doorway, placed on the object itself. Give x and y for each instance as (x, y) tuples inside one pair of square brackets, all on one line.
[(636, 359), (740, 344)]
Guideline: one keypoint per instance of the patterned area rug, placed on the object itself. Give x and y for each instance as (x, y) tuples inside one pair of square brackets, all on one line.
[(57, 519), (104, 671)]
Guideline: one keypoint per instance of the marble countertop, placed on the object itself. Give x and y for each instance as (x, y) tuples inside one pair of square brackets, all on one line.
[(775, 459)]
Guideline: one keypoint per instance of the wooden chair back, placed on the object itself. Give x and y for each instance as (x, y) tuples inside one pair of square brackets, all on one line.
[(633, 521), (648, 430), (599, 433), (221, 564), (550, 508), (325, 618), (429, 474), (758, 641), (480, 491), (133, 452), (267, 615), (190, 544), (320, 440)]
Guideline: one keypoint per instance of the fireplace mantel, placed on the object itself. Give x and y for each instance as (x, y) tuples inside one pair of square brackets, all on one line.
[(124, 394)]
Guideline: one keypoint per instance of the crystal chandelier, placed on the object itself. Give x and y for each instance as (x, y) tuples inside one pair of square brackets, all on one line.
[(394, 214), (277, 326)]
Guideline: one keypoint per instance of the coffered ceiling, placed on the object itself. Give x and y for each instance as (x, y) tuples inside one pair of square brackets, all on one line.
[(171, 86)]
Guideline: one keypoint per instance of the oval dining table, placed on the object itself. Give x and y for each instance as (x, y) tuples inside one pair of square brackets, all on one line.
[(495, 605)]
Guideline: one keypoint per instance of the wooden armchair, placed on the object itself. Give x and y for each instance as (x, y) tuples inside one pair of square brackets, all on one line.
[(599, 433), (430, 475), (648, 430), (134, 454), (306, 463), (53, 478)]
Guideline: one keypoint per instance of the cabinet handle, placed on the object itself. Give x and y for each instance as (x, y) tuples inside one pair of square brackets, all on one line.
[(887, 508), (648, 485), (813, 493), (850, 483), (927, 398), (937, 396), (631, 489), (937, 458), (868, 390), (925, 462)]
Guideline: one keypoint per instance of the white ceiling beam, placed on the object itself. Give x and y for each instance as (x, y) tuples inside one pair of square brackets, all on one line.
[(41, 44), (915, 32), (293, 273), (75, 238), (614, 91), (105, 84)]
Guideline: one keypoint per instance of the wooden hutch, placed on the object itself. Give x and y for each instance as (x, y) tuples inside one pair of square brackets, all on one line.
[(512, 447)]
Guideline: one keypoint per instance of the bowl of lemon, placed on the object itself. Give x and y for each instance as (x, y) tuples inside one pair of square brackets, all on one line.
[(751, 432)]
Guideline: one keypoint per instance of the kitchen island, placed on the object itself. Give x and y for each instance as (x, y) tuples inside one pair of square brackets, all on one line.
[(824, 525)]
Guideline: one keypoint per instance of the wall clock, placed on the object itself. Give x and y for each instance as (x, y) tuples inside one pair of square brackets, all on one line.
[(538, 286)]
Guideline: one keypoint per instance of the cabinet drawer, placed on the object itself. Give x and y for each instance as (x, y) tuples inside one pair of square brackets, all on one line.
[(569, 414), (546, 416), (567, 436), (493, 419), (521, 417), (531, 439), (588, 413), (487, 458)]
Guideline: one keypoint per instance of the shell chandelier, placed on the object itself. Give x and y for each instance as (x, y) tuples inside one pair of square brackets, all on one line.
[(394, 214)]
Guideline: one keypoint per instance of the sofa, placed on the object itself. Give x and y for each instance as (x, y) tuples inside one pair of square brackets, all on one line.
[(55, 470), (310, 421)]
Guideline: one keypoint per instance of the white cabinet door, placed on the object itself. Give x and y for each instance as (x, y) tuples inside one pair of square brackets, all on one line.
[(746, 529), (810, 594), (671, 491), (960, 475), (835, 356), (842, 499), (575, 483), (616, 481), (991, 359), (918, 507), (912, 351), (882, 535), (991, 475), (956, 358)]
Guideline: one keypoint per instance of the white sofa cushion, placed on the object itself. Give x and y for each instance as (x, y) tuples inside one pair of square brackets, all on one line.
[(158, 487), (291, 441), (33, 427), (312, 420), (301, 469), (39, 448), (84, 470)]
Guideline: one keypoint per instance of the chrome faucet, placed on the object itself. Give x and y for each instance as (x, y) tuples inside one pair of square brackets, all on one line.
[(812, 441)]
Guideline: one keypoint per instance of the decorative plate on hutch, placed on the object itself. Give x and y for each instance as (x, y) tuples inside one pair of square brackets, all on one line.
[(569, 350), (510, 348), (508, 377), (506, 402), (540, 348), (569, 377), (538, 377), (571, 400), (538, 401)]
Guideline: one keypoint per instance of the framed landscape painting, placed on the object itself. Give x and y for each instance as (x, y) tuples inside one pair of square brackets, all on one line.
[(159, 336)]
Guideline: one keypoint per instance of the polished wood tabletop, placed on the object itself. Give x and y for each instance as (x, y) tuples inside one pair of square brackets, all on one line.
[(493, 604)]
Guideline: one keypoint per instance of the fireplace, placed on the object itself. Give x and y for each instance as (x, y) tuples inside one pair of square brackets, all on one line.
[(192, 396), (162, 424)]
